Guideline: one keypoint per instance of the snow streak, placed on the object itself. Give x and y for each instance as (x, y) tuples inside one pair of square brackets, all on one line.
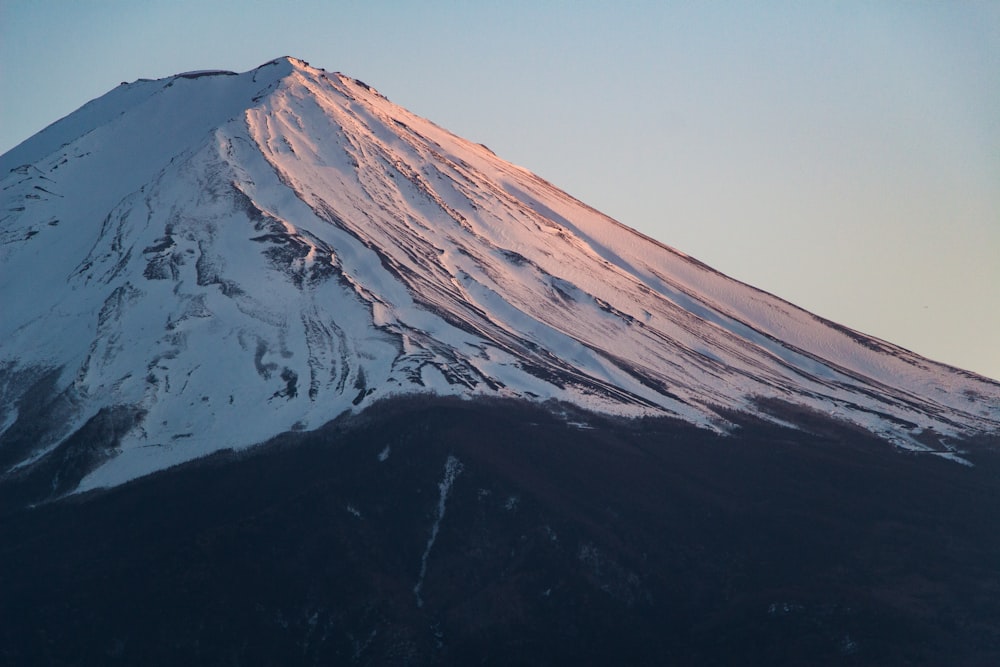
[(452, 467)]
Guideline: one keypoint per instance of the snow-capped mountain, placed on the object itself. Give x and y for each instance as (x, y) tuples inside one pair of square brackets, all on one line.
[(205, 261)]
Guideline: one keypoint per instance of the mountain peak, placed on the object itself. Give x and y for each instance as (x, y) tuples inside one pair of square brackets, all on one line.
[(285, 65), (216, 258)]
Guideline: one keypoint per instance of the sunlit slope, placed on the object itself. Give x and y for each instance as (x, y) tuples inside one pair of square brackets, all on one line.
[(212, 259)]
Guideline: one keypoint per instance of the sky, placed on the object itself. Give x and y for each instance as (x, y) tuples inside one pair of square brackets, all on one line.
[(842, 155)]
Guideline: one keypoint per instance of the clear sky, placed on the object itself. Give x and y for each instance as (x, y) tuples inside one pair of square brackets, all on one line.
[(842, 155)]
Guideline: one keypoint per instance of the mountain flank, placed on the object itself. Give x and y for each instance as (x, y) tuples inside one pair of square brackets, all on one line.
[(290, 375)]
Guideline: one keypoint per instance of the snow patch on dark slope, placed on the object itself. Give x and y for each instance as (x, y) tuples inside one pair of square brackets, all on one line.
[(205, 261)]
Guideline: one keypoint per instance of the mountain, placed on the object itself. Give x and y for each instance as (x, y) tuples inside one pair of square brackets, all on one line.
[(289, 375), (205, 261)]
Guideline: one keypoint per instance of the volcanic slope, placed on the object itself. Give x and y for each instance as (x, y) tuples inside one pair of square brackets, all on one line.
[(205, 261)]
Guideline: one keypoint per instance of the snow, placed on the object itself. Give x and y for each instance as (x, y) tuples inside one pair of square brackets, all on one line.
[(452, 468), (952, 456), (288, 244)]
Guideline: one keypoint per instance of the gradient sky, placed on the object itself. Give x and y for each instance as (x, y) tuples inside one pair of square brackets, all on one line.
[(842, 155)]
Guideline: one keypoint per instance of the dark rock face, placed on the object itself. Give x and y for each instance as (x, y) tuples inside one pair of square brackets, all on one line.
[(432, 531)]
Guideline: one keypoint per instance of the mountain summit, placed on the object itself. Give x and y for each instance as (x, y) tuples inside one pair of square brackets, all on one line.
[(205, 261)]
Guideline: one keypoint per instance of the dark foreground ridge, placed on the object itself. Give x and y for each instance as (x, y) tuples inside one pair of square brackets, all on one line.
[(431, 531)]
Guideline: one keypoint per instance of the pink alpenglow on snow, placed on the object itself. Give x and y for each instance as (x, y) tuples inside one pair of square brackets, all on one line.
[(224, 257)]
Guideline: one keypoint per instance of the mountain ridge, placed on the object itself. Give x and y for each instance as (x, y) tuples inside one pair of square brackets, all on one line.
[(299, 246)]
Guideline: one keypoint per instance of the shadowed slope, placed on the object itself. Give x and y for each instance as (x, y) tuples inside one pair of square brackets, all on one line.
[(575, 540)]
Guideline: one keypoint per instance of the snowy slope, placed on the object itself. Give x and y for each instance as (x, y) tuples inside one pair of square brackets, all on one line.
[(216, 258)]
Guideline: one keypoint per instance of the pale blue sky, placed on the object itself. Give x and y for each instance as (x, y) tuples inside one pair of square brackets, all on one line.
[(842, 155)]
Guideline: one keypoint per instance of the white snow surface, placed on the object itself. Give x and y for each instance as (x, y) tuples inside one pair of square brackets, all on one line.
[(241, 255)]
